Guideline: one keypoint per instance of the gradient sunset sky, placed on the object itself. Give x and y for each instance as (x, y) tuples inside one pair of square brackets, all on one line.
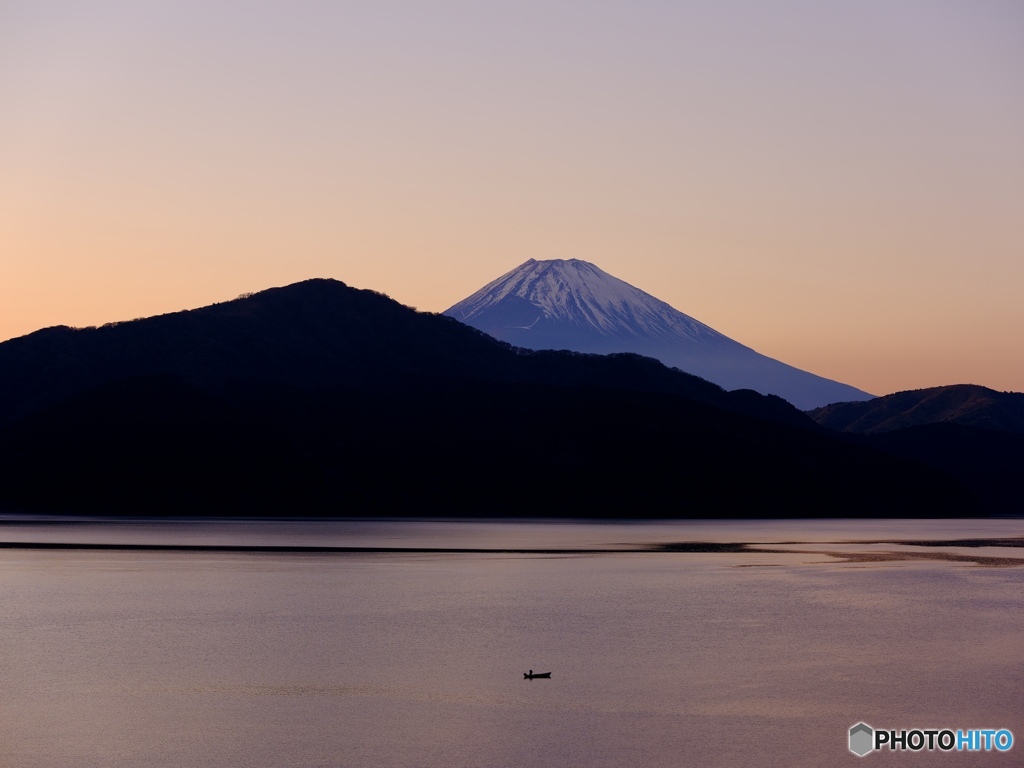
[(839, 185)]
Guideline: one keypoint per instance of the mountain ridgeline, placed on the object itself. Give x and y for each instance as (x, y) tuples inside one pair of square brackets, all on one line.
[(572, 304), (319, 399), (963, 404)]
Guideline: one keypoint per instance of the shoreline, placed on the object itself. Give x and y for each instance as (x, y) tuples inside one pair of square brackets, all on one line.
[(694, 547)]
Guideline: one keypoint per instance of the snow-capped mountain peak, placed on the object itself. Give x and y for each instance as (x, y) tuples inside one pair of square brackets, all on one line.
[(579, 293), (573, 304)]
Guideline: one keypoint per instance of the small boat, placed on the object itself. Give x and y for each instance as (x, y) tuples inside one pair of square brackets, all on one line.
[(531, 675)]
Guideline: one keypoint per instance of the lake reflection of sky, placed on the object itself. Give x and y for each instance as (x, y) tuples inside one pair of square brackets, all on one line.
[(221, 659)]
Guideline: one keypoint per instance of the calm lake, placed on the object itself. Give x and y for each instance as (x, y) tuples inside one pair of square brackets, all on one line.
[(133, 657)]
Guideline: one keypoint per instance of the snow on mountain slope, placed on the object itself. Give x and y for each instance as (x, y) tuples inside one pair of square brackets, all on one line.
[(572, 304), (578, 293)]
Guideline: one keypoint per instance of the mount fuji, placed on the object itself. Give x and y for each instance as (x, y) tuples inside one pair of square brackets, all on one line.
[(572, 304)]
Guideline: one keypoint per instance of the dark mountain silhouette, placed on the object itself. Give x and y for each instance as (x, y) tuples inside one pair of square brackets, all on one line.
[(965, 404), (972, 434), (315, 334), (987, 461), (320, 399)]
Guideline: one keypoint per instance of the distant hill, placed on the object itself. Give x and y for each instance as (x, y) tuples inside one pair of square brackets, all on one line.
[(572, 304), (320, 399), (964, 404)]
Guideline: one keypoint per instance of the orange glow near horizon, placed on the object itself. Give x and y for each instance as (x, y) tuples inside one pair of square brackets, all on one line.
[(840, 189)]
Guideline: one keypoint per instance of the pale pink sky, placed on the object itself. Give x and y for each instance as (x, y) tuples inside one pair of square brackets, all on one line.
[(838, 185)]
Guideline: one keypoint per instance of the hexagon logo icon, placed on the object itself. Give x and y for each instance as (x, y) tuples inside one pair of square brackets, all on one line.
[(862, 738)]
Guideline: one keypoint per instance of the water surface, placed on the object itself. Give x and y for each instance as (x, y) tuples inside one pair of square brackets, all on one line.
[(128, 658)]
